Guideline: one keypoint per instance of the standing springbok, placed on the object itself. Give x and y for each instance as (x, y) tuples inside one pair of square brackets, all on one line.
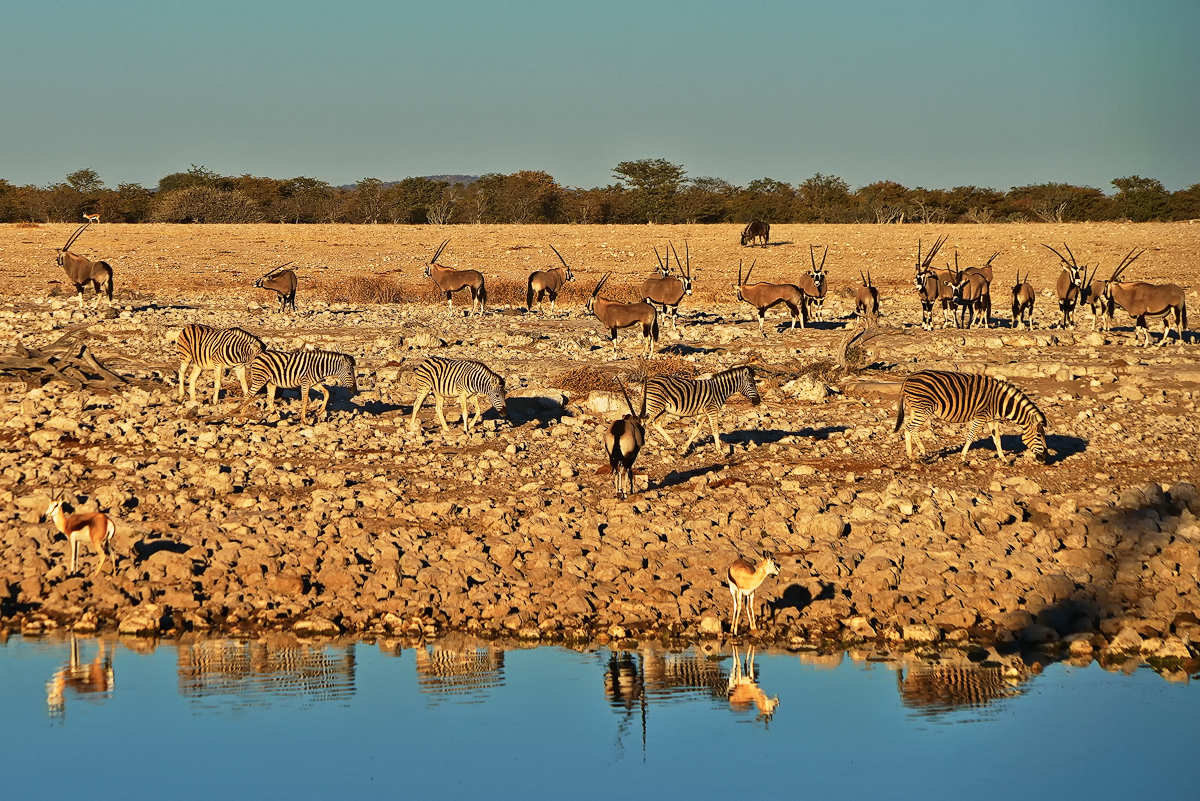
[(81, 271), (866, 300), (283, 283), (91, 527), (1070, 281), (934, 286), (548, 282), (813, 284), (1023, 297), (614, 314), (450, 280), (623, 441), (763, 296), (1141, 300), (667, 291), (757, 229), (92, 218), (684, 397), (744, 581)]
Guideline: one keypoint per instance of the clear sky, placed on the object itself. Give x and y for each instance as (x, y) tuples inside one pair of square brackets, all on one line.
[(934, 94)]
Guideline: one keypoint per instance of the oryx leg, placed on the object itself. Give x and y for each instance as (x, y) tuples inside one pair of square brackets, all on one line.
[(762, 313), (612, 335), (422, 394), (449, 304)]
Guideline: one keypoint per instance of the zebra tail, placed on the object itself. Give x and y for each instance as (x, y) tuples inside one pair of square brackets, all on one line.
[(899, 414)]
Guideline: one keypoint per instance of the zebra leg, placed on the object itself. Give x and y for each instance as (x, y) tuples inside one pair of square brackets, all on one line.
[(437, 404), (663, 432), (271, 396), (462, 402), (716, 432), (217, 374), (196, 369), (996, 439), (421, 396), (325, 392), (304, 388), (240, 372), (972, 430), (692, 436)]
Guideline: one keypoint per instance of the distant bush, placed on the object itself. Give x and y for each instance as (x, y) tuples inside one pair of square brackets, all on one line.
[(205, 204)]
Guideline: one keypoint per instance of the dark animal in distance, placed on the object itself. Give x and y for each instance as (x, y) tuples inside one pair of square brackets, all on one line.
[(757, 229)]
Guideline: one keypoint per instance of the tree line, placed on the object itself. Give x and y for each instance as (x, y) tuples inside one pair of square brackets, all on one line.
[(644, 191)]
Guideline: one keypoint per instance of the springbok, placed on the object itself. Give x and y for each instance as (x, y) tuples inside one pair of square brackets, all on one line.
[(757, 229), (92, 218), (866, 300), (614, 314), (623, 441), (450, 280), (744, 581), (667, 291), (763, 296), (933, 286), (813, 283), (80, 270), (1023, 297), (92, 527), (283, 283), (1070, 281), (1141, 300), (548, 282)]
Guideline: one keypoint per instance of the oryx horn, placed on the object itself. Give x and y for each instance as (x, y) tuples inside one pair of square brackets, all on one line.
[(74, 236), (275, 270), (556, 253), (441, 247)]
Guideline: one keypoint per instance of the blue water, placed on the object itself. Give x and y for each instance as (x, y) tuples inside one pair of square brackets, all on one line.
[(354, 721)]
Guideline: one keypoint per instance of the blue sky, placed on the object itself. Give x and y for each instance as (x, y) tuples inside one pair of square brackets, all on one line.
[(934, 94)]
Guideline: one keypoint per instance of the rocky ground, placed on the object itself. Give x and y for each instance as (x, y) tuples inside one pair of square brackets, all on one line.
[(354, 524)]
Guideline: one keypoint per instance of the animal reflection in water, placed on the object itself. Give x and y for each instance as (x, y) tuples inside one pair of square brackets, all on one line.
[(635, 680), (466, 670), (256, 671), (94, 678), (933, 690)]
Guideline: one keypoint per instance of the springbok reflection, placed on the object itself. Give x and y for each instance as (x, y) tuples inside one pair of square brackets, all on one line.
[(94, 678), (744, 692), (259, 670), (934, 690), (456, 668)]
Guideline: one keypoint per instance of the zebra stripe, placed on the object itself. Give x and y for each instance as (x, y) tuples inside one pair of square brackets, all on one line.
[(685, 397), (460, 378), (207, 348), (972, 399), (303, 370)]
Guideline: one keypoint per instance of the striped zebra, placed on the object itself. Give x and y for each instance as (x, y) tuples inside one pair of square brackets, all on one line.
[(684, 397), (968, 398), (303, 370), (208, 348), (461, 378)]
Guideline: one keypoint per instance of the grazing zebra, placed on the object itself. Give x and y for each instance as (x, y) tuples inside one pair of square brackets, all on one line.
[(207, 348), (968, 398), (684, 397), (461, 378), (303, 370)]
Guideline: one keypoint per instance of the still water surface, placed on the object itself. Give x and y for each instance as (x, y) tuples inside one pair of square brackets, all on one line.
[(232, 719)]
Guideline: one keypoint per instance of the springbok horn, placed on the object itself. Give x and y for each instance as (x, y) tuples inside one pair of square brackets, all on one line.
[(74, 236), (560, 258), (441, 247)]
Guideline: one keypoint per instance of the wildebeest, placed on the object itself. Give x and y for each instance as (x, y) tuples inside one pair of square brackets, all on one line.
[(757, 229), (81, 271)]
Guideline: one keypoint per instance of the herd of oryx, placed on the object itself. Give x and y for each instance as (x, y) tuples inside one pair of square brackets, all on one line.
[(964, 294)]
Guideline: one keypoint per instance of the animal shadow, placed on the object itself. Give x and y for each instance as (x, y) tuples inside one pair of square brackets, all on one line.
[(676, 477), (796, 597)]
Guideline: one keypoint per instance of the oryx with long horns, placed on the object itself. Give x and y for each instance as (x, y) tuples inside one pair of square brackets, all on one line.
[(283, 283), (450, 280), (614, 314), (934, 286), (1141, 300), (1070, 282), (763, 296), (81, 271), (665, 290), (548, 282), (1023, 297), (973, 293), (623, 441), (813, 284), (866, 300)]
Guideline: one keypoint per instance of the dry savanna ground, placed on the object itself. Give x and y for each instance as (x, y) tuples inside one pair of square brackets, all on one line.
[(355, 524)]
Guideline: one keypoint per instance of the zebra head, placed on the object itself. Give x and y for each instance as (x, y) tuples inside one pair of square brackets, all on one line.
[(495, 394), (347, 374), (748, 387)]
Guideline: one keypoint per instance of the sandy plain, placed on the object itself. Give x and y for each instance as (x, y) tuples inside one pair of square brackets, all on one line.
[(355, 525)]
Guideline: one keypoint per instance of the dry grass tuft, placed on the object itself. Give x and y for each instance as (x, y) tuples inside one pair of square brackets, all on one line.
[(664, 365), (361, 289), (27, 224), (583, 380)]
